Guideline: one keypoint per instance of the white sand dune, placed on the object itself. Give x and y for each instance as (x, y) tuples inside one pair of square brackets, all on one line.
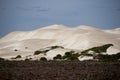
[(78, 38)]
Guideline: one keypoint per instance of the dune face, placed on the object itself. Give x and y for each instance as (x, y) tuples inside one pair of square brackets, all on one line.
[(78, 38)]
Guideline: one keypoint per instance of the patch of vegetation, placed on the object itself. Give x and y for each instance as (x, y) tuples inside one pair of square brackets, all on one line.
[(74, 57), (27, 59), (54, 47), (57, 57), (38, 52), (18, 56), (2, 59), (106, 57), (43, 59), (45, 51), (97, 53), (86, 54), (98, 49), (71, 56), (68, 54)]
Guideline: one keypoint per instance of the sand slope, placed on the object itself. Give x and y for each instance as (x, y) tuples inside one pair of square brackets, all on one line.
[(78, 38)]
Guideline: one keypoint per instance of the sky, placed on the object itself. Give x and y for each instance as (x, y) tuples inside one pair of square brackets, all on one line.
[(24, 15)]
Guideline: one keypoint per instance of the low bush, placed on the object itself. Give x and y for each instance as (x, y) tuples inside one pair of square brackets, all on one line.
[(57, 57), (43, 59), (98, 49), (71, 56), (37, 52), (106, 57), (54, 47), (18, 56), (2, 59)]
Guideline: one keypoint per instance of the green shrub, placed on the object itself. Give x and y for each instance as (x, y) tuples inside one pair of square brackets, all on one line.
[(71, 56), (54, 47), (18, 56), (2, 59), (98, 49), (43, 59), (27, 59), (86, 54), (74, 57), (37, 52), (57, 57), (106, 57), (45, 51), (118, 55), (67, 55)]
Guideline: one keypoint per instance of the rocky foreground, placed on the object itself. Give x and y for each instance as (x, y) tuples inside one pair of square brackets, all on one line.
[(59, 70)]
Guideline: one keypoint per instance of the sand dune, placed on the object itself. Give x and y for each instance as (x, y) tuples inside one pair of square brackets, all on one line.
[(78, 38)]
